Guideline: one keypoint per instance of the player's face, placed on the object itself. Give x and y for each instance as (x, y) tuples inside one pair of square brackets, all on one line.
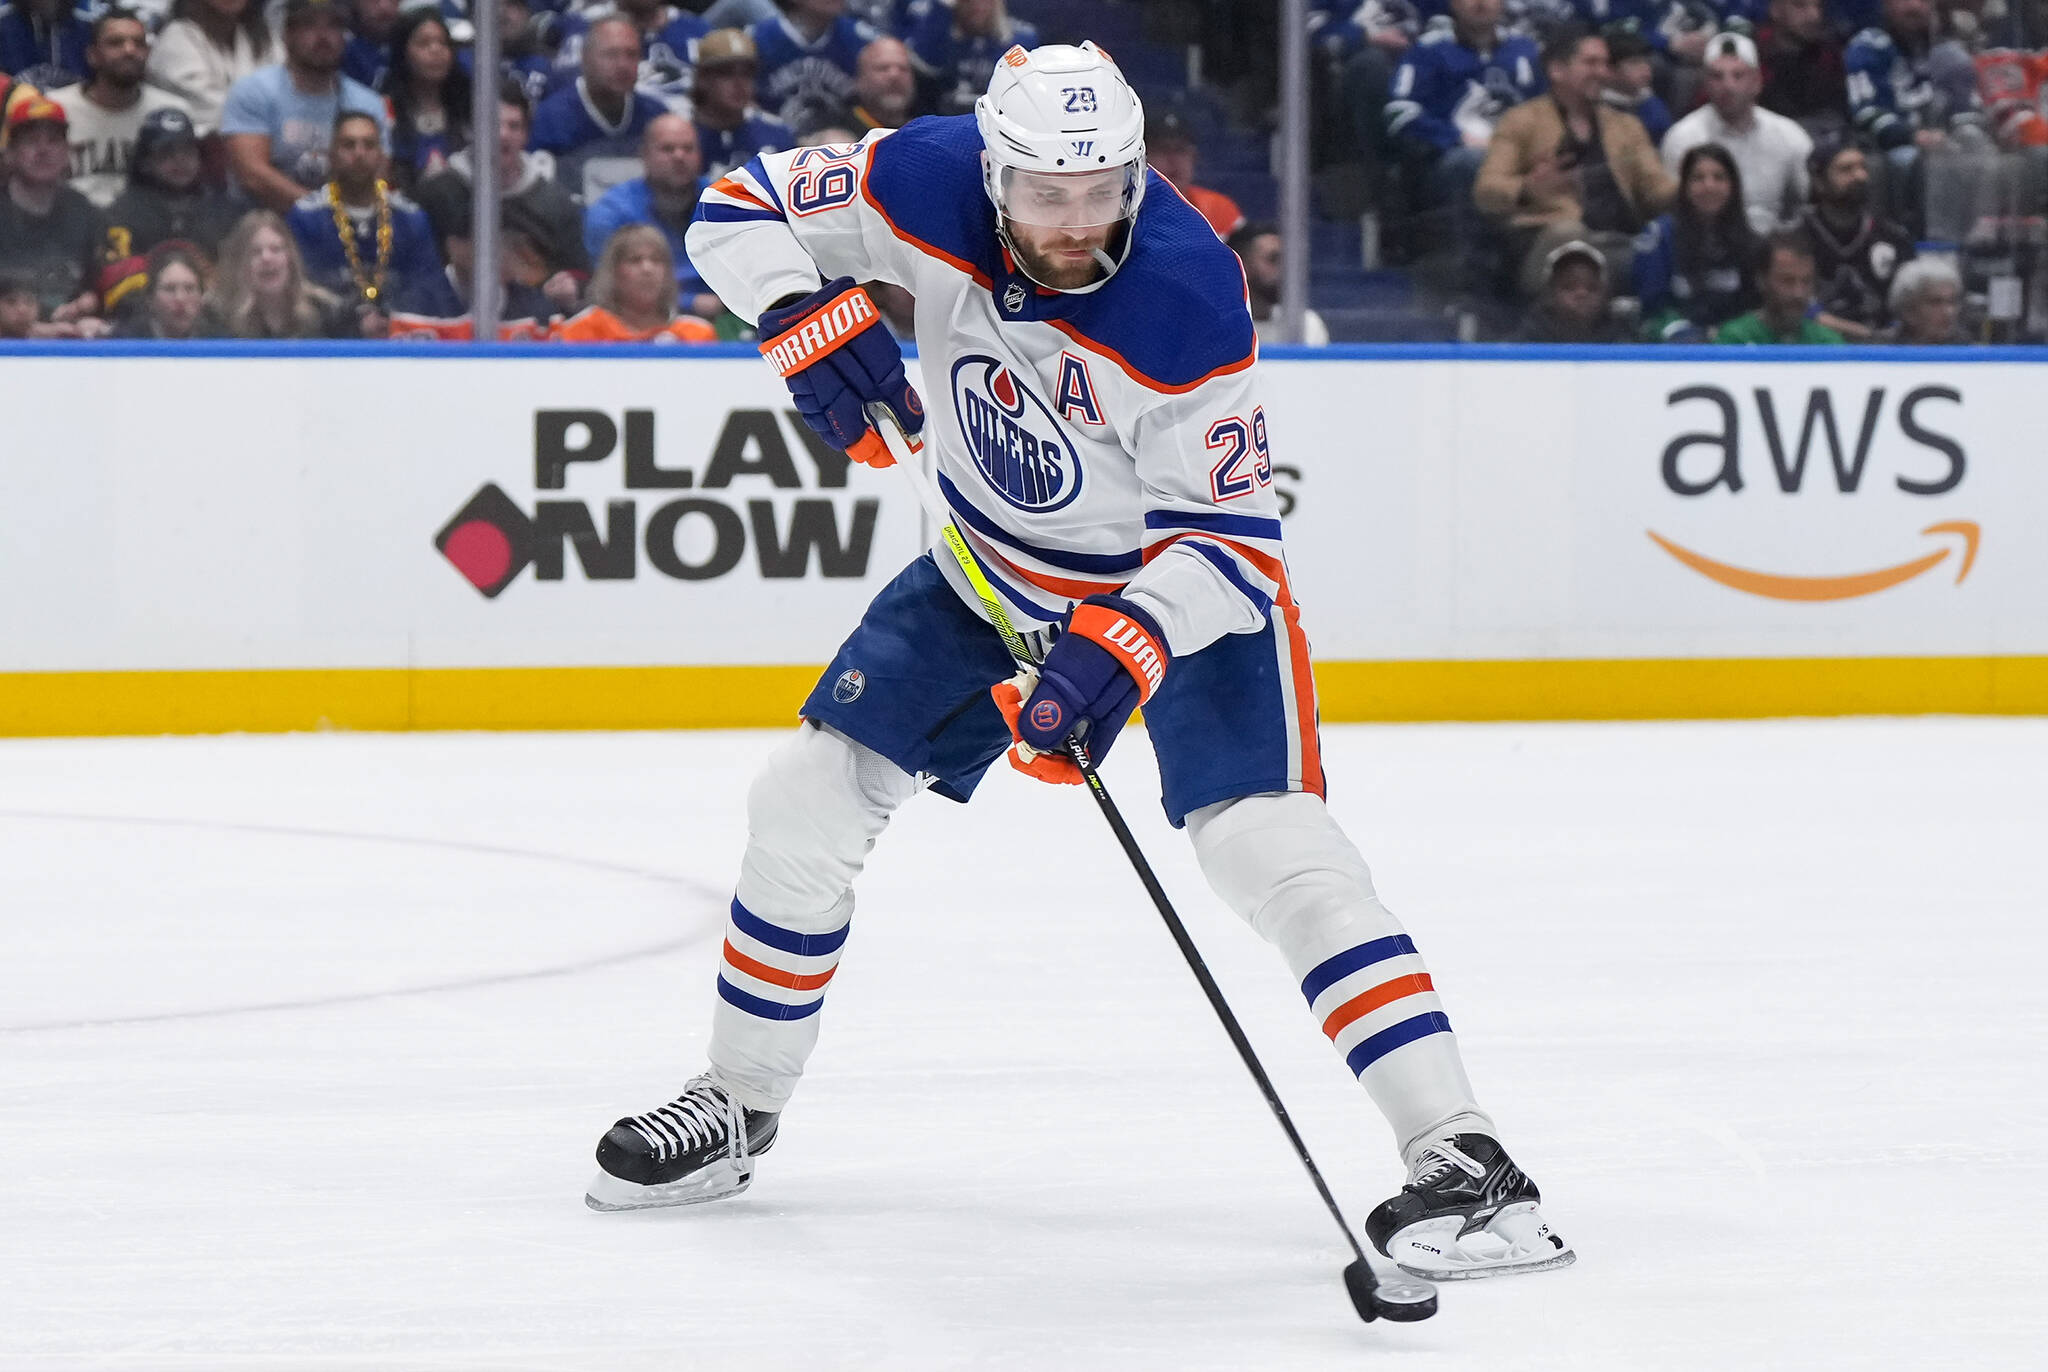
[(1058, 223), (174, 299)]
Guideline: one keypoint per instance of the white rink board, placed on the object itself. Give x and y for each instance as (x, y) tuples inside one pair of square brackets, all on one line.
[(271, 512)]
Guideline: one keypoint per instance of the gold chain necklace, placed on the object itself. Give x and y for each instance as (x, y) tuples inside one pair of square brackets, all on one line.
[(370, 284)]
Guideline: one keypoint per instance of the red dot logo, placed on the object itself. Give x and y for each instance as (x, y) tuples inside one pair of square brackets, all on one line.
[(480, 551)]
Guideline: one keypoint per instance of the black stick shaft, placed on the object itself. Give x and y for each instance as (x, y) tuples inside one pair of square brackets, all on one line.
[(1143, 868)]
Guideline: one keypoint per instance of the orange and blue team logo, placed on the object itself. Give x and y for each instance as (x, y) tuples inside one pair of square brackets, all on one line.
[(848, 687), (1045, 716), (1018, 445)]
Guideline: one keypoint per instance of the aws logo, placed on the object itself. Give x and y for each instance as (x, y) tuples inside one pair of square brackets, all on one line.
[(1684, 475), (1019, 448)]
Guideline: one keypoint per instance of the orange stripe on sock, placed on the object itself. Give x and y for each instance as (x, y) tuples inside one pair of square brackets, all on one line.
[(775, 975), (1359, 1006)]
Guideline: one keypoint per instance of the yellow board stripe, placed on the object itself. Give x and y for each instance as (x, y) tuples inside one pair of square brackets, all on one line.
[(200, 702)]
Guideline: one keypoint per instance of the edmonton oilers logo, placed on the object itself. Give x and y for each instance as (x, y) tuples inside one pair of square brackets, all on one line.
[(1017, 445), (851, 683)]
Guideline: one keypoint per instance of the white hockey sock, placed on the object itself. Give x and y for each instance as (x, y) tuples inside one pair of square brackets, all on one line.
[(813, 815), (1282, 863)]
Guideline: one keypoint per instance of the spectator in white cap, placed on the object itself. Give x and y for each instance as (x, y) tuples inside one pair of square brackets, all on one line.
[(1770, 149)]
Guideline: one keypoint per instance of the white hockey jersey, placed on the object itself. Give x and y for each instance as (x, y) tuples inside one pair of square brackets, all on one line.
[(1091, 442)]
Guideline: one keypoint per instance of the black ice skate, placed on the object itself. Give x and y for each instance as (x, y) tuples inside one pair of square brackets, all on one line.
[(699, 1147), (1467, 1211)]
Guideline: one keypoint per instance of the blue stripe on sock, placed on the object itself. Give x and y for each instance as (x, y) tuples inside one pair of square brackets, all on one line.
[(1371, 1050), (1335, 969), (765, 1009), (786, 940)]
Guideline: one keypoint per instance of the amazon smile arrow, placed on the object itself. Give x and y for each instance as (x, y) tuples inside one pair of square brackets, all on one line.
[(1777, 587)]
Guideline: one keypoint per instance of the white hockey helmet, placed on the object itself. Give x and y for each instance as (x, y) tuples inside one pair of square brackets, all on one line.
[(1063, 138)]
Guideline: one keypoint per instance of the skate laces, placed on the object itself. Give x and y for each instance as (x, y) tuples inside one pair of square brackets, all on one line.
[(1435, 1160), (693, 1119)]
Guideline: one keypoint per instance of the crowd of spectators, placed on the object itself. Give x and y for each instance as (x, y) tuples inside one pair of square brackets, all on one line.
[(1708, 155), (1690, 154), (303, 168)]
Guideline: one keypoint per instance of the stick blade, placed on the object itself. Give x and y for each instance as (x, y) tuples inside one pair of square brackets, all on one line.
[(1400, 1300)]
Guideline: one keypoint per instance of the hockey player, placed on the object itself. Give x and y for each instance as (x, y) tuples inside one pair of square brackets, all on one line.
[(1099, 438)]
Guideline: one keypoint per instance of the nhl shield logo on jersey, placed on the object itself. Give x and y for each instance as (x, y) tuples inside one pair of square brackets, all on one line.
[(1018, 446), (848, 687)]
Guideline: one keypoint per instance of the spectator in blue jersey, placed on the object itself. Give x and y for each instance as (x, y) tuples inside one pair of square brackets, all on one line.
[(668, 46), (528, 192), (666, 198), (884, 88), (809, 54), (367, 54), (1695, 268), (45, 40), (593, 125), (524, 47), (429, 94), (1631, 83), (1448, 93), (730, 130), (1904, 90), (362, 241), (956, 47), (279, 121), (1676, 30)]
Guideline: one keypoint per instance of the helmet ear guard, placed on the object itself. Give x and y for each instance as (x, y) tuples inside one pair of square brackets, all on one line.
[(1060, 111)]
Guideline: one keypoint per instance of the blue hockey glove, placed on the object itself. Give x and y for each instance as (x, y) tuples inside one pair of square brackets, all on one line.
[(1109, 661), (838, 358)]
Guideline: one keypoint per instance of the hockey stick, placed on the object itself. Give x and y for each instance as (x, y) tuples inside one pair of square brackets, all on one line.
[(1398, 1299)]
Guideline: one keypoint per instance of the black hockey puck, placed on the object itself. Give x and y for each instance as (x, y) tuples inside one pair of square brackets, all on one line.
[(1401, 1300)]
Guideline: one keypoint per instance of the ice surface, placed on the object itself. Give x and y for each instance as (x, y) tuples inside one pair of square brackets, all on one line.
[(305, 1043)]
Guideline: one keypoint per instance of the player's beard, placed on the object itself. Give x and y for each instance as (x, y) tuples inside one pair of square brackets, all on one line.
[(1060, 273)]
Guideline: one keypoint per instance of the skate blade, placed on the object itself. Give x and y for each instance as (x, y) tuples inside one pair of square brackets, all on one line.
[(608, 1193), (1516, 1240)]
